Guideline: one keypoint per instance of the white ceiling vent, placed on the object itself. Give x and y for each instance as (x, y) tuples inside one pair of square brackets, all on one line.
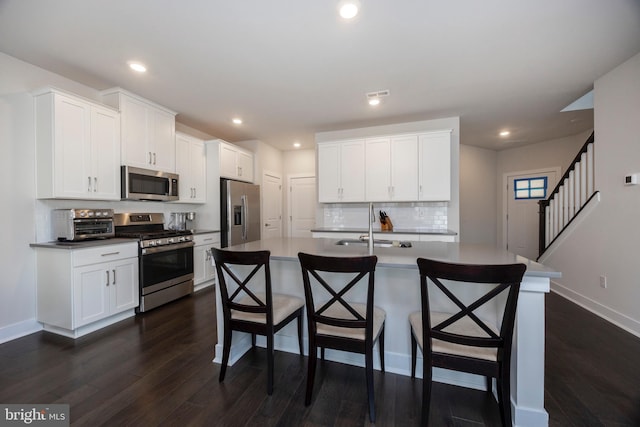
[(378, 94)]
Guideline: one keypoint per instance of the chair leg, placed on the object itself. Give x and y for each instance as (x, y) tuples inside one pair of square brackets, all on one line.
[(504, 395), (300, 334), (381, 348), (321, 353), (253, 340), (370, 392), (414, 354), (426, 393), (226, 349), (311, 370), (270, 363)]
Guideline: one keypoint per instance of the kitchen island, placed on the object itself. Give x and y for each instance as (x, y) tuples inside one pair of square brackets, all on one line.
[(397, 292)]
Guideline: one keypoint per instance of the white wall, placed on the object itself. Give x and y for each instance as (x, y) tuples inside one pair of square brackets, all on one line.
[(550, 154), (607, 241), (478, 208)]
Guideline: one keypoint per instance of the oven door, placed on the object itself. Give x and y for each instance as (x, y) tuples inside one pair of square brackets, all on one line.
[(165, 266)]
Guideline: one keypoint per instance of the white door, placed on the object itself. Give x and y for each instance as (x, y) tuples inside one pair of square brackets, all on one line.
[(271, 206), (523, 194), (302, 205)]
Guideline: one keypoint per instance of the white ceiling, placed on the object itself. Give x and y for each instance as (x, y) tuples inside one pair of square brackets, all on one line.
[(291, 68)]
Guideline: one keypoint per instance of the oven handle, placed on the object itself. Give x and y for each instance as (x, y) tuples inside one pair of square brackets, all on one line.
[(166, 248)]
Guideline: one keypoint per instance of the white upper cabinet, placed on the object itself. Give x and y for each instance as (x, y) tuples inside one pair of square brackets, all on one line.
[(341, 171), (191, 166), (235, 163), (435, 166), (392, 168), (148, 131), (77, 148)]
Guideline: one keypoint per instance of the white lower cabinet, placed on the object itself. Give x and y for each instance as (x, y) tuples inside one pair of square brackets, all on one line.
[(203, 270), (82, 290)]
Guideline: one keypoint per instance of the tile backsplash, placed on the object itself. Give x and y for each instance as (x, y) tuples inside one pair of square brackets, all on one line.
[(432, 215)]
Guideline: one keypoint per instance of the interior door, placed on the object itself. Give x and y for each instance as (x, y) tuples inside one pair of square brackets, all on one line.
[(271, 206), (302, 206), (522, 214)]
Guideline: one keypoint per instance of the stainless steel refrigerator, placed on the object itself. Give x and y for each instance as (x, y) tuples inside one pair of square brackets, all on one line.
[(240, 212)]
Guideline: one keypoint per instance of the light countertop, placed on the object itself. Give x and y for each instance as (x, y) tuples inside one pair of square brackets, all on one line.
[(83, 244), (395, 257), (396, 230)]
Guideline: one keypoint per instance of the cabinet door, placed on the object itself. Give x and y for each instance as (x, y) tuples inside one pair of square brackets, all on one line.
[(105, 154), (228, 161), (328, 173), (163, 140), (245, 166), (183, 168), (404, 168), (435, 166), (352, 171), (124, 291), (90, 293), (198, 171), (73, 178), (135, 133), (378, 173)]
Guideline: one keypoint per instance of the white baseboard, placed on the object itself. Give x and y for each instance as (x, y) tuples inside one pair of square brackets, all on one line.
[(19, 330), (620, 320)]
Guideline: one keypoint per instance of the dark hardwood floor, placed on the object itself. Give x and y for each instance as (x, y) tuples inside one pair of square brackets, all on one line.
[(156, 369)]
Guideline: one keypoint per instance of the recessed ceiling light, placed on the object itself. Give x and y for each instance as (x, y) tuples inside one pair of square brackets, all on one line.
[(505, 133), (237, 121), (374, 101), (348, 9), (136, 66), (296, 144)]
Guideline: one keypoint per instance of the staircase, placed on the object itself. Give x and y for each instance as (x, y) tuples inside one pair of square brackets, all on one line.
[(573, 192)]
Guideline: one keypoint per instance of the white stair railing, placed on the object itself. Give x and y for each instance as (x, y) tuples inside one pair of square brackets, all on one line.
[(574, 190)]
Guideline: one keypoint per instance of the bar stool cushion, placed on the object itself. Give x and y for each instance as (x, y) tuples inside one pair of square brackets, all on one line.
[(339, 312), (464, 326), (283, 306)]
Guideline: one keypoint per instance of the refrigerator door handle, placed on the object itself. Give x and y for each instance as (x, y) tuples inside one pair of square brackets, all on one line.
[(245, 216)]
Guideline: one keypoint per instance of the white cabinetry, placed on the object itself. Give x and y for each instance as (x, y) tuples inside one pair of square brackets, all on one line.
[(148, 131), (77, 148), (235, 163), (191, 166), (392, 168), (341, 171), (434, 153), (82, 290), (203, 270)]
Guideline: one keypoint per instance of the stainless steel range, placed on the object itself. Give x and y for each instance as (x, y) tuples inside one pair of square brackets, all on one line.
[(165, 257)]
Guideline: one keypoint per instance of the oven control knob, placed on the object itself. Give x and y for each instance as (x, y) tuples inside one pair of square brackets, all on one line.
[(152, 242), (170, 240), (183, 239), (159, 242)]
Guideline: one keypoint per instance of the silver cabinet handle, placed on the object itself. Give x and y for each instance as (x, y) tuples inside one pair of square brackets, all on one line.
[(114, 276), (95, 184), (110, 253), (149, 157), (89, 184), (154, 158), (107, 277)]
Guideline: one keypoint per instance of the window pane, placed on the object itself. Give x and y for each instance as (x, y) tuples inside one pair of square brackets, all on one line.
[(538, 183), (522, 194), (522, 183), (538, 193)]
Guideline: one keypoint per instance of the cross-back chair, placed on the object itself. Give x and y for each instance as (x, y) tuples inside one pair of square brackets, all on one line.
[(337, 323), (462, 340), (256, 311)]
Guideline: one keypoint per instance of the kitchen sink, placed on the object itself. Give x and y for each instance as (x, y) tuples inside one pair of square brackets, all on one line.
[(376, 243)]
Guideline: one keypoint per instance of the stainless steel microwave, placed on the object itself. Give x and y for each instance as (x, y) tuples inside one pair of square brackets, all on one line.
[(147, 184)]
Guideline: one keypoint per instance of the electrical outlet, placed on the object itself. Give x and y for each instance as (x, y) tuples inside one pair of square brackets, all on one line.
[(603, 282)]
